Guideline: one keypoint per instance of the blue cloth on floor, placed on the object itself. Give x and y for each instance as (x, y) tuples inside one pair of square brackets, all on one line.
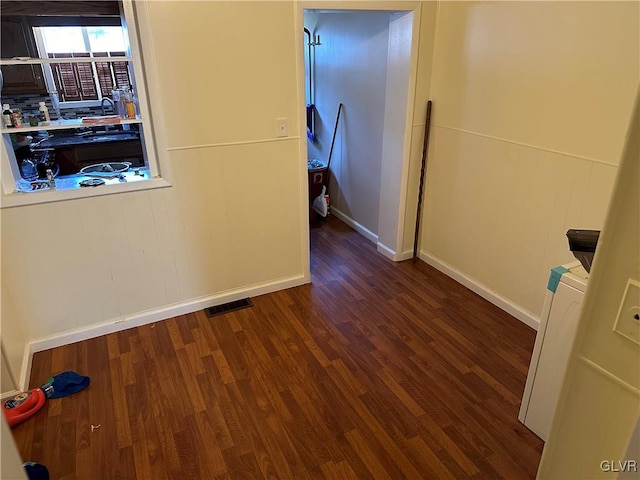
[(65, 383), (36, 471)]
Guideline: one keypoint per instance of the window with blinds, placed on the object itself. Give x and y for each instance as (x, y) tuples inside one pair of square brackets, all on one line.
[(90, 80), (85, 53)]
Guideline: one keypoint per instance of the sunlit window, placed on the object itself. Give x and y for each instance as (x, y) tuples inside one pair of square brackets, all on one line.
[(74, 39), (90, 81)]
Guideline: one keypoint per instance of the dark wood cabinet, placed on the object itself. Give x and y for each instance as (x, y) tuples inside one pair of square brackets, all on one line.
[(17, 41), (71, 159)]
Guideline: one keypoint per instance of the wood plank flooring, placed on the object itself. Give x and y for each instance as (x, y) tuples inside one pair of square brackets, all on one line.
[(376, 370)]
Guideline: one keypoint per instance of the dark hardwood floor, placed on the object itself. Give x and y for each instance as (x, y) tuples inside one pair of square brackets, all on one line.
[(376, 370)]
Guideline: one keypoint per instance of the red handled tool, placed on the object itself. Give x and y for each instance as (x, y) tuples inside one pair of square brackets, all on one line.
[(23, 405)]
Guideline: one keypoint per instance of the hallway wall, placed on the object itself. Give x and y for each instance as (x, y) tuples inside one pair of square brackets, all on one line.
[(351, 67), (601, 392), (13, 338), (531, 104), (234, 219)]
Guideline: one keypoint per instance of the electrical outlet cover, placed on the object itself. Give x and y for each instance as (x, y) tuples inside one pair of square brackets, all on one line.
[(281, 127), (628, 319)]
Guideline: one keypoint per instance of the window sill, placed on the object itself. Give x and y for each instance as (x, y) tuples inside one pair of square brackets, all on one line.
[(72, 191), (81, 104), (68, 124)]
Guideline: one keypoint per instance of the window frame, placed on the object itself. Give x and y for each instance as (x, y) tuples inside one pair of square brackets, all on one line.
[(9, 169), (48, 71)]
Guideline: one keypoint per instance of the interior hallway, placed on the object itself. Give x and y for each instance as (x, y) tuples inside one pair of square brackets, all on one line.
[(375, 370)]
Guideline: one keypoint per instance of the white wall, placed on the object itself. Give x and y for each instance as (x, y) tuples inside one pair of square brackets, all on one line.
[(531, 102), (10, 462), (427, 25), (396, 134), (233, 218), (7, 382), (600, 399), (351, 67), (12, 336)]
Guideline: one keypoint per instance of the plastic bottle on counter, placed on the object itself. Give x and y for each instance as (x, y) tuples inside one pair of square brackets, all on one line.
[(7, 116), (129, 105), (44, 114), (51, 179), (134, 101), (17, 118), (116, 96)]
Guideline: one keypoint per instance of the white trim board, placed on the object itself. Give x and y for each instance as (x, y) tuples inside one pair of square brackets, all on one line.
[(372, 237), (386, 251), (392, 255), (362, 230), (25, 372), (405, 255), (485, 292), (150, 316), (9, 394)]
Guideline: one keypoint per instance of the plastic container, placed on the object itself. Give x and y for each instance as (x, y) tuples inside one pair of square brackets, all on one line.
[(317, 171), (22, 406), (17, 118), (129, 106), (116, 95), (44, 114), (51, 179), (7, 116)]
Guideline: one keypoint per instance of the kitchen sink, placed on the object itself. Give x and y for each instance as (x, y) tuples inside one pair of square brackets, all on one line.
[(109, 132), (112, 136), (107, 168)]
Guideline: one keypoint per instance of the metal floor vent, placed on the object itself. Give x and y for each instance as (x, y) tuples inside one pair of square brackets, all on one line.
[(228, 307)]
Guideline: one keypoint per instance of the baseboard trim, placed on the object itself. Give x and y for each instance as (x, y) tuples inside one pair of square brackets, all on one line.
[(5, 395), (392, 255), (369, 235), (153, 315), (405, 255), (485, 292), (386, 251), (25, 373), (365, 232)]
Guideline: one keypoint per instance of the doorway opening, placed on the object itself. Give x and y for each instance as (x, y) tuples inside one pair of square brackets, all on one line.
[(364, 59)]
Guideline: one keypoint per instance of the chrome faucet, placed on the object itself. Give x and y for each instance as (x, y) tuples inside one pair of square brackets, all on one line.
[(108, 100), (35, 145)]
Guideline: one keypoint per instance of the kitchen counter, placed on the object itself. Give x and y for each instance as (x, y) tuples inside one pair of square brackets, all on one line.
[(69, 182), (65, 124), (58, 141), (94, 145)]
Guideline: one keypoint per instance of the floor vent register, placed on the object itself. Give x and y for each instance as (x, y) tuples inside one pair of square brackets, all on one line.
[(228, 307)]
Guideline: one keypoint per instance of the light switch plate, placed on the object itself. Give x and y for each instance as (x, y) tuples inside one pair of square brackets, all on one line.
[(628, 319), (281, 127)]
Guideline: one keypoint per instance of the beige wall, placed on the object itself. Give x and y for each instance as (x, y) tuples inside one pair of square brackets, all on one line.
[(531, 103), (10, 462), (13, 338), (600, 400), (233, 217)]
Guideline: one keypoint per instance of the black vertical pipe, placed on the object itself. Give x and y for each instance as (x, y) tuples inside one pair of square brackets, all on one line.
[(425, 149)]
